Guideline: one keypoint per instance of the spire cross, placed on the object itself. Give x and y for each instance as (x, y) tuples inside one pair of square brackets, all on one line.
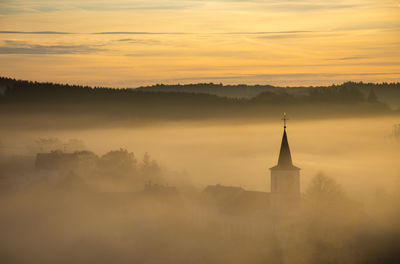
[(285, 119)]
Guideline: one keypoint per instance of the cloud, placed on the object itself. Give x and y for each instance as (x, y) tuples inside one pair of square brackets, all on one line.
[(36, 32), (349, 58), (140, 41), (179, 53), (18, 47), (395, 26), (154, 33), (306, 7), (46, 6), (266, 32), (284, 36), (136, 5), (288, 76), (94, 33), (139, 33)]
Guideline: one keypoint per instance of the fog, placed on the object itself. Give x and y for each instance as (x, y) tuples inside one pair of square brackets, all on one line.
[(120, 220), (353, 151)]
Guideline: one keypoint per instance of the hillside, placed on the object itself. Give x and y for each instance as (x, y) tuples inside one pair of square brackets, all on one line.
[(191, 102), (388, 93)]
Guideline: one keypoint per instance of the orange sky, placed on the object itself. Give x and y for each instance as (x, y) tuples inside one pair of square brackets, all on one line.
[(125, 43)]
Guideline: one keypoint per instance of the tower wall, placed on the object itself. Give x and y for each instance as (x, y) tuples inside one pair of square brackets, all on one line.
[(285, 182)]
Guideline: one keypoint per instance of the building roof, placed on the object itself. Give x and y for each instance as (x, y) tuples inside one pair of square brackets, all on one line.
[(285, 158), (236, 200), (222, 190)]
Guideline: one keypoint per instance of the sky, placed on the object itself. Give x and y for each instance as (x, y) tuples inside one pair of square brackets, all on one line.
[(129, 43)]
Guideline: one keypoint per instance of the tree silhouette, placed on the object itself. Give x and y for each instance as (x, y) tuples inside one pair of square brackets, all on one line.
[(118, 162), (323, 188)]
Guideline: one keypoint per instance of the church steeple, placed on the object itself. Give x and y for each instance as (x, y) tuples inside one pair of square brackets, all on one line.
[(285, 177), (285, 157)]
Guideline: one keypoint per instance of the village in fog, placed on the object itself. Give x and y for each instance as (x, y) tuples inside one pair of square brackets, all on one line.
[(123, 208)]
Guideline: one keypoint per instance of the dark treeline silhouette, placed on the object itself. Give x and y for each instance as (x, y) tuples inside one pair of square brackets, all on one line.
[(238, 91), (249, 91), (196, 101), (235, 91)]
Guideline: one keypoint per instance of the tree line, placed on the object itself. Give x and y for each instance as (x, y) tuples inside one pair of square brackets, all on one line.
[(192, 101)]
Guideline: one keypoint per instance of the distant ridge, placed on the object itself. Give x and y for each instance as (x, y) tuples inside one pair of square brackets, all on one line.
[(236, 91), (193, 101), (386, 92)]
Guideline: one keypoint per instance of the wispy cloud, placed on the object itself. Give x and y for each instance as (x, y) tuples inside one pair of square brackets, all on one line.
[(136, 5), (46, 32), (140, 41), (370, 26), (349, 58), (18, 47), (260, 34), (287, 76), (35, 32), (46, 6), (188, 53), (266, 32), (139, 33), (284, 36)]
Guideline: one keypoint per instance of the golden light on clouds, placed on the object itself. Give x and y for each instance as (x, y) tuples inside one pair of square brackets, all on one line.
[(131, 43)]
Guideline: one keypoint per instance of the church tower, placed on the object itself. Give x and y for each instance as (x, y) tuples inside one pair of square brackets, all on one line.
[(285, 177)]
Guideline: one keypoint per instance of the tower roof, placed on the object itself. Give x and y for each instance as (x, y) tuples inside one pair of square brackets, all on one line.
[(285, 158)]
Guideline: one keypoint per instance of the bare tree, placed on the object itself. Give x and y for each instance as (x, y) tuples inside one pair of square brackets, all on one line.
[(323, 188)]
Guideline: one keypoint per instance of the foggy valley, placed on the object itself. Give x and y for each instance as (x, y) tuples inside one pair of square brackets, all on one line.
[(180, 191), (200, 132)]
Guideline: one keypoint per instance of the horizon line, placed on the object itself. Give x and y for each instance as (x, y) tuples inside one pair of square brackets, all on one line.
[(208, 83)]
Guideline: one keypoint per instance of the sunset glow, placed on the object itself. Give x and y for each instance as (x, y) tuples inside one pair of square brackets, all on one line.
[(131, 43)]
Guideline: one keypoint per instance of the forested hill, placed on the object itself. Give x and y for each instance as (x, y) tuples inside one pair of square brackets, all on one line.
[(234, 91), (165, 102), (387, 92)]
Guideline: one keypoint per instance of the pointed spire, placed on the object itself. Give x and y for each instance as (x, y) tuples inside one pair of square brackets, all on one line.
[(285, 157)]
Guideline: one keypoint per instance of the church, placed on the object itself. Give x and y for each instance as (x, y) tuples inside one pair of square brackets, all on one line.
[(284, 182), (285, 177)]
